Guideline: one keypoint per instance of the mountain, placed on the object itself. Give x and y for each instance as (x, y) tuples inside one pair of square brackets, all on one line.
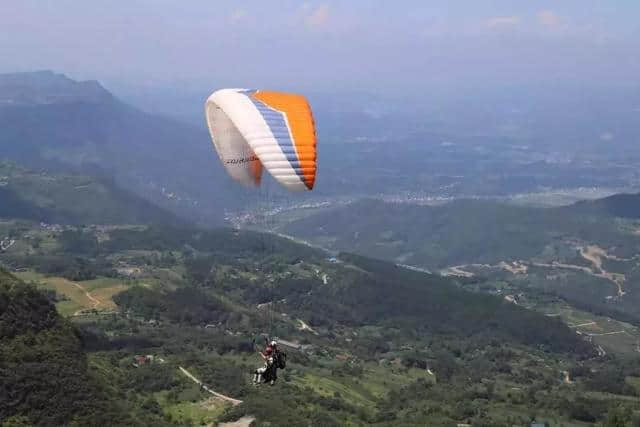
[(46, 379), (110, 324), (617, 205), (45, 87), (40, 358), (368, 342), (50, 121), (367, 148), (586, 253), (464, 231), (374, 293), (72, 199)]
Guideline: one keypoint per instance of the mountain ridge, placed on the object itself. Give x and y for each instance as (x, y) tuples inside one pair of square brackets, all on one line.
[(46, 379), (72, 199), (623, 205), (48, 87), (60, 124)]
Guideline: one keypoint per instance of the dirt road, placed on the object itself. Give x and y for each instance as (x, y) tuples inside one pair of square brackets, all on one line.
[(304, 327), (514, 267), (94, 301), (606, 333), (231, 400), (242, 422), (304, 242), (616, 278), (594, 255), (457, 270), (582, 325)]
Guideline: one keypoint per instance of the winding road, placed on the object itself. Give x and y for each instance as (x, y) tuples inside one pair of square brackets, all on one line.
[(304, 327), (242, 422), (96, 302), (592, 253), (231, 400)]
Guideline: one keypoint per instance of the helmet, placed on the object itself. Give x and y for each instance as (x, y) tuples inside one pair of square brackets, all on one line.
[(273, 343)]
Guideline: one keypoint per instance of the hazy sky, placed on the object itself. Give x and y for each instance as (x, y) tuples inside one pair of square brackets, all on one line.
[(372, 45)]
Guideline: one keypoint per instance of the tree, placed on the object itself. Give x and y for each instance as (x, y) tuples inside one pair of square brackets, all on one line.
[(618, 417)]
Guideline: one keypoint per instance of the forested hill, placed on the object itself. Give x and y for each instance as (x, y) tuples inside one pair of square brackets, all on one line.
[(464, 231), (389, 294), (371, 343), (586, 253), (362, 291), (51, 121), (618, 205), (72, 199), (44, 374)]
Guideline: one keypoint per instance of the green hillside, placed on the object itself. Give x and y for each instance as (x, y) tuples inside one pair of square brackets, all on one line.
[(586, 253), (460, 232), (45, 377), (369, 343), (71, 199), (53, 122), (371, 292), (618, 205)]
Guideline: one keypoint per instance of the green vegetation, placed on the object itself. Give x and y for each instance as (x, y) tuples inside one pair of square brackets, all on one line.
[(71, 199), (582, 253), (460, 232), (387, 346), (45, 376), (56, 123), (618, 205), (98, 322)]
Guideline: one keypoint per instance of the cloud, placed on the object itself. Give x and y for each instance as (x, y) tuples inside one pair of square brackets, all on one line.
[(502, 22), (237, 15), (548, 19), (607, 136), (318, 18)]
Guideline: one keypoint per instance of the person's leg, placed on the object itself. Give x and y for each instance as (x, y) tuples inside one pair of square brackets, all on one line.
[(274, 375), (259, 375)]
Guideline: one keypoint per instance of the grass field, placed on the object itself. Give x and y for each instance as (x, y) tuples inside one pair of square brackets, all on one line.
[(635, 382), (189, 407), (94, 294), (376, 381), (613, 335), (199, 412)]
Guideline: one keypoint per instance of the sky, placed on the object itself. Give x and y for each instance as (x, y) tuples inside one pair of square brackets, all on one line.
[(366, 45)]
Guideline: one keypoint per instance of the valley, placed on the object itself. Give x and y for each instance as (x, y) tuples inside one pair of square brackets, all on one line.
[(189, 297), (551, 316), (468, 279)]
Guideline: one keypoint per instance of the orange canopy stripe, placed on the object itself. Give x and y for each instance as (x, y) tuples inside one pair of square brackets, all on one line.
[(301, 125)]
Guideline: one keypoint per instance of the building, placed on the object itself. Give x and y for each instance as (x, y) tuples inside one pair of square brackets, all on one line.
[(142, 360)]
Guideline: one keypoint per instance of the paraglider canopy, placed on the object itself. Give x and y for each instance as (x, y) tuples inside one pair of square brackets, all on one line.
[(252, 129)]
